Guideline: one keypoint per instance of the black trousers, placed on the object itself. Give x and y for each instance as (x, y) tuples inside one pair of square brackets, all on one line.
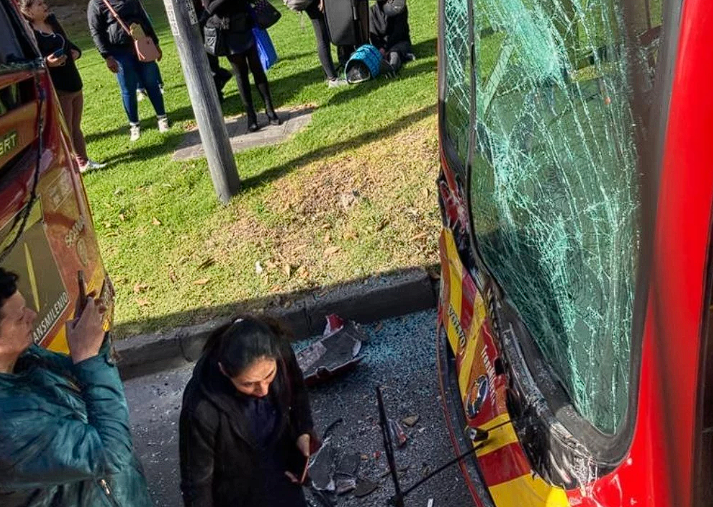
[(321, 33)]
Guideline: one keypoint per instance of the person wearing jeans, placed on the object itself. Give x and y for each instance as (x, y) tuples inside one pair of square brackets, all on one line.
[(117, 47), (60, 54), (130, 73)]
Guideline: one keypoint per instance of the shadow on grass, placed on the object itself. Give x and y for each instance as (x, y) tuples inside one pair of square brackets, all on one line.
[(278, 171), (294, 307), (283, 90)]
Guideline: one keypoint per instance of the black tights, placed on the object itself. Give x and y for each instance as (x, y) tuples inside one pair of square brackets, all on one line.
[(250, 60), (324, 50)]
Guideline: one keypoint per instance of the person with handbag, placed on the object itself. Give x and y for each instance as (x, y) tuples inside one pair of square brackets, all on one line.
[(227, 29), (125, 38), (60, 55), (245, 430)]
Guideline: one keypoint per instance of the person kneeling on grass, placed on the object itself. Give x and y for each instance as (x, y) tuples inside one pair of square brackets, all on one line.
[(389, 31), (109, 21), (245, 430), (64, 436)]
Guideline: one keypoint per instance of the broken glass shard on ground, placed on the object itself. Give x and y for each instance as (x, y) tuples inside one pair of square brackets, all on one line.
[(337, 351), (398, 436), (345, 475), (321, 468)]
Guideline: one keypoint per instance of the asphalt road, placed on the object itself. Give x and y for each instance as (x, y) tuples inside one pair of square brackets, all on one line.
[(399, 356)]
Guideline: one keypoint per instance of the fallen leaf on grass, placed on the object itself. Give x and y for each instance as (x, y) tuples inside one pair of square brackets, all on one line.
[(331, 250), (140, 287), (201, 281), (172, 275), (302, 272), (258, 268), (156, 221), (122, 217), (143, 302), (287, 269), (419, 236)]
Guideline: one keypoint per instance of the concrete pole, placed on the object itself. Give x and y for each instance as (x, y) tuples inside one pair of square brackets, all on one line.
[(204, 97)]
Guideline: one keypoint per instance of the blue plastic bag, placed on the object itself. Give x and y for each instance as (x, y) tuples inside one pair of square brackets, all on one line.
[(265, 48)]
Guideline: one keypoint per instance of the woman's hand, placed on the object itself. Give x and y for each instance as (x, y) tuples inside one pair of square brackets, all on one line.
[(56, 61), (75, 54), (85, 333), (112, 64), (303, 442), (321, 5), (160, 53)]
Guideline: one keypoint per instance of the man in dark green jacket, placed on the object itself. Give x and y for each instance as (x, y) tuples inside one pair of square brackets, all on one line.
[(64, 422)]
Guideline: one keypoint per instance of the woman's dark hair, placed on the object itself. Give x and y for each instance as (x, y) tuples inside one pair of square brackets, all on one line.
[(8, 286), (246, 339)]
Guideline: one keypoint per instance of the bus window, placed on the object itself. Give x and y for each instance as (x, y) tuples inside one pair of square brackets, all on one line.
[(554, 185), (457, 75)]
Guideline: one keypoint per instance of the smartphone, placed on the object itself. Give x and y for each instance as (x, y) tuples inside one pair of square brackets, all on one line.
[(82, 297), (58, 53)]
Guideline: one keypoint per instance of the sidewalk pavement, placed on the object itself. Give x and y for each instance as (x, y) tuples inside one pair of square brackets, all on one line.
[(373, 299)]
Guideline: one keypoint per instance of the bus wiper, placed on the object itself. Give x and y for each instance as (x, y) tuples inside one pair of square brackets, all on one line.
[(397, 500)]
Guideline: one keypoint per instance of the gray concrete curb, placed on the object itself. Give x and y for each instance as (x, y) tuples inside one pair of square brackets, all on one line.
[(368, 301)]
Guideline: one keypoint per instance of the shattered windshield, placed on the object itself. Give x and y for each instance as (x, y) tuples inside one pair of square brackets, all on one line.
[(554, 188)]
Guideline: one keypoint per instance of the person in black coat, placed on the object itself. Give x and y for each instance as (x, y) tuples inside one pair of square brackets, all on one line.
[(389, 31), (245, 430), (228, 32)]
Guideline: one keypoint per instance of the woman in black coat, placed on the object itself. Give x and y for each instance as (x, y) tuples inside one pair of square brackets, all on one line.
[(230, 23), (246, 428)]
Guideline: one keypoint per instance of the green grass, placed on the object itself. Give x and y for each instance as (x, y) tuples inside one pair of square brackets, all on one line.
[(375, 141)]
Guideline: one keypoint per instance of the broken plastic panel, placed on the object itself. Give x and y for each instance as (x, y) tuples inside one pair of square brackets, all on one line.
[(337, 351), (554, 184)]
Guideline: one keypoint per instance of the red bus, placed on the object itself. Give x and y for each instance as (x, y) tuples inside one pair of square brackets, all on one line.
[(576, 142), (46, 230)]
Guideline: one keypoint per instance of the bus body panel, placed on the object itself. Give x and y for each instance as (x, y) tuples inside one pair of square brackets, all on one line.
[(657, 469), (58, 239)]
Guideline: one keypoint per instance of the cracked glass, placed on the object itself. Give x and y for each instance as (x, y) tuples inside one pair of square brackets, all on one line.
[(554, 186)]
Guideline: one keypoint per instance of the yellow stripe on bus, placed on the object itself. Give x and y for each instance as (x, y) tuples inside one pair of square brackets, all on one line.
[(528, 491), (499, 438)]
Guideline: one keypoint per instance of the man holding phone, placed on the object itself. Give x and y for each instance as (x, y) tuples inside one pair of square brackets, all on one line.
[(64, 437)]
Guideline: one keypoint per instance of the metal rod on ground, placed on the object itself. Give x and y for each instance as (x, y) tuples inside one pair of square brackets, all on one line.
[(204, 97)]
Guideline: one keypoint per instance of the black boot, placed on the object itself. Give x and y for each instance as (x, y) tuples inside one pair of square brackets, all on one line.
[(264, 90), (247, 98), (252, 120)]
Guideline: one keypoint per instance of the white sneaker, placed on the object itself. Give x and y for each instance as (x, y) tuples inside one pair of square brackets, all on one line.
[(336, 82), (163, 124), (91, 164), (134, 132)]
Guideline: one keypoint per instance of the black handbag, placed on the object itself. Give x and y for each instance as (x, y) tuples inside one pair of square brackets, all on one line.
[(265, 14)]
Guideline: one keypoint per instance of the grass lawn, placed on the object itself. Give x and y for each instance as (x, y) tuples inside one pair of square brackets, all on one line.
[(351, 195)]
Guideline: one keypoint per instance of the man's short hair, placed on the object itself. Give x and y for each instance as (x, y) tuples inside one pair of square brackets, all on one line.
[(8, 286)]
